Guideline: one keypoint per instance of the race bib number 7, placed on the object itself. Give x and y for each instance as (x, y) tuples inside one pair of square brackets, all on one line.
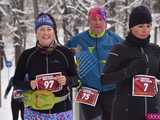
[(144, 85), (87, 96), (46, 81)]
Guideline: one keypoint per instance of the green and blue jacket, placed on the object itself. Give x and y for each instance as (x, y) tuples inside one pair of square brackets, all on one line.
[(91, 54)]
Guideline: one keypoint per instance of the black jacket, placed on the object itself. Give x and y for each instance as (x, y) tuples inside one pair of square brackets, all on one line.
[(37, 61), (129, 58)]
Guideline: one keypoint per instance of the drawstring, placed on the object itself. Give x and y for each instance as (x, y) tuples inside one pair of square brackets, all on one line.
[(51, 45)]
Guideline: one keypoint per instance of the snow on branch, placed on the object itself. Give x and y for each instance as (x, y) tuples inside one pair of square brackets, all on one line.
[(4, 2), (3, 11), (76, 9), (116, 21), (11, 28), (108, 2), (20, 11), (82, 4), (52, 7), (131, 5)]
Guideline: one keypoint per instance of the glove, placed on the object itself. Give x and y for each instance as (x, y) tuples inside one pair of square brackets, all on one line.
[(137, 66)]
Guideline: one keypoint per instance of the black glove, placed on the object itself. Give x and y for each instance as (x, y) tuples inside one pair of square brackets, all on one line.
[(137, 66), (72, 81)]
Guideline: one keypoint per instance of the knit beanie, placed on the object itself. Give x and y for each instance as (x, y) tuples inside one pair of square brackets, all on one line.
[(139, 15), (44, 19), (97, 11)]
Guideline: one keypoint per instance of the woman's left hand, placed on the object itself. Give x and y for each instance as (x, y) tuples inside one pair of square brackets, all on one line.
[(61, 79)]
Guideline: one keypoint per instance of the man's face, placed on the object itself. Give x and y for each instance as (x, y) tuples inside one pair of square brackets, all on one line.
[(97, 24)]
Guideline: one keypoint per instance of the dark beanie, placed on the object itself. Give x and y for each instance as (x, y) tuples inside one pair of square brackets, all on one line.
[(139, 15)]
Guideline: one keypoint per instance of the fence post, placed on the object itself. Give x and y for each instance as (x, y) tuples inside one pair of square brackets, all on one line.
[(75, 106)]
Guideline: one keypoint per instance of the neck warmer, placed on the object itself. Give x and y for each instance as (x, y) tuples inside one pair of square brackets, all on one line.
[(133, 40)]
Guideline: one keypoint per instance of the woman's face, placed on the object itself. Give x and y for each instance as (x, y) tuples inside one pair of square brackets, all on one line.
[(45, 35), (141, 31)]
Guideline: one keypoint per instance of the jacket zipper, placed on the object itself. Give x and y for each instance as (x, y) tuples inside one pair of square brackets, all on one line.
[(97, 54), (147, 71), (47, 71), (147, 59)]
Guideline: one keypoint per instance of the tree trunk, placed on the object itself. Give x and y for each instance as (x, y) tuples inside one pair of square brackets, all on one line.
[(18, 41), (126, 20), (35, 7)]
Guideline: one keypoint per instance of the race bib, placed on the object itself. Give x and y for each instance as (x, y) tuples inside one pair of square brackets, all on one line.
[(144, 85), (17, 94), (47, 82), (87, 96)]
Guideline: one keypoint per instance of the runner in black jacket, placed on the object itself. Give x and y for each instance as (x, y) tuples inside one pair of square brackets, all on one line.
[(134, 56), (47, 57), (16, 104)]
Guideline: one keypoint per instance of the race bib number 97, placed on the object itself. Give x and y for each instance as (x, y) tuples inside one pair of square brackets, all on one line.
[(144, 85), (47, 82), (87, 96)]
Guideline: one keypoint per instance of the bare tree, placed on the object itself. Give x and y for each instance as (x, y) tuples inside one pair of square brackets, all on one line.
[(20, 32), (35, 7), (156, 6)]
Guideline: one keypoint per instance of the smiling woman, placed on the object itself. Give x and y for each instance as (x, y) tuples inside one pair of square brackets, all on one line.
[(45, 36), (45, 33), (50, 71)]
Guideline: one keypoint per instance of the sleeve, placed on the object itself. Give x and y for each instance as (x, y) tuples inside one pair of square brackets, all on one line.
[(19, 80), (114, 71), (72, 76), (72, 43), (158, 74), (118, 38), (9, 86), (157, 52)]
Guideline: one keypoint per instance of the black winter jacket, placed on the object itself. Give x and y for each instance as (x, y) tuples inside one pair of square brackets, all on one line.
[(122, 56), (37, 61)]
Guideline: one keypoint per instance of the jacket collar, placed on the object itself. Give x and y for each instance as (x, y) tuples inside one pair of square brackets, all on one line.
[(46, 50), (133, 40)]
